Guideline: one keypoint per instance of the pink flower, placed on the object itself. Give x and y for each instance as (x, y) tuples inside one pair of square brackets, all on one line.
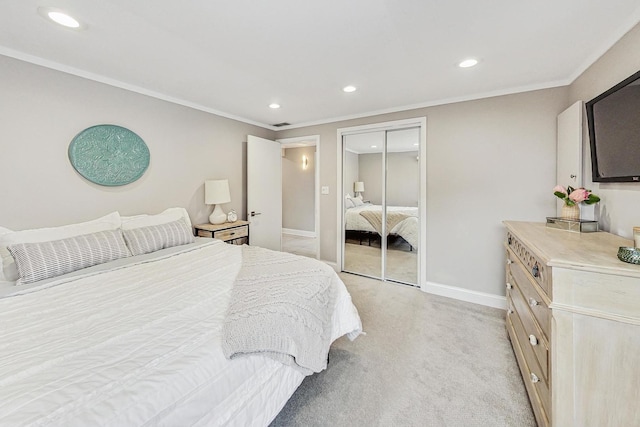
[(579, 195), (559, 189)]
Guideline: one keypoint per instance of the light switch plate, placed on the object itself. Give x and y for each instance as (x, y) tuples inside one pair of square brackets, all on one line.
[(325, 189)]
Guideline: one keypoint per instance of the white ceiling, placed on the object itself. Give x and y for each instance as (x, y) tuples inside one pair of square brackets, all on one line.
[(234, 58)]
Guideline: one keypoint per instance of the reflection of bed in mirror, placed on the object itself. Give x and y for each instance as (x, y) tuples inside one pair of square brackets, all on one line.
[(401, 221)]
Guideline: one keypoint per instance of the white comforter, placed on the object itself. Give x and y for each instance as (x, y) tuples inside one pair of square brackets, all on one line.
[(408, 229), (138, 345)]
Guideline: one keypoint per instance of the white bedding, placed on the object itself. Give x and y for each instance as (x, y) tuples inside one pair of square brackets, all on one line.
[(408, 229), (139, 344)]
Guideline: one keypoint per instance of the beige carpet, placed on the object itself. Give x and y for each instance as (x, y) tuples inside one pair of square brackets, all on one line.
[(402, 265), (299, 245), (425, 361)]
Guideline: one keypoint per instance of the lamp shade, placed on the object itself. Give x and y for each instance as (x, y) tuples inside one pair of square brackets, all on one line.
[(216, 192), (358, 186)]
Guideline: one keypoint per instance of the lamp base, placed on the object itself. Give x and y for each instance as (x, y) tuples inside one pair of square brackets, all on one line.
[(218, 216)]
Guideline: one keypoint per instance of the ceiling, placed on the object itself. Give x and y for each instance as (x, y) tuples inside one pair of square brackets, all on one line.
[(234, 58)]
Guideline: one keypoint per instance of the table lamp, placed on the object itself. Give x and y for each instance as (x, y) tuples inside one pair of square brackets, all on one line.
[(216, 193), (358, 188)]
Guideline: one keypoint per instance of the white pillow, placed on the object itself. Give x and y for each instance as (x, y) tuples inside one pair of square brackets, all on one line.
[(357, 201), (348, 203), (8, 269), (168, 215)]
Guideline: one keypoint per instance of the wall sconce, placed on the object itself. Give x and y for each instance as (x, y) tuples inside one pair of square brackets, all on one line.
[(305, 162)]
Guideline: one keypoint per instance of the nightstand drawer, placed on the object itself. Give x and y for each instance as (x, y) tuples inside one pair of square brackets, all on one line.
[(232, 233)]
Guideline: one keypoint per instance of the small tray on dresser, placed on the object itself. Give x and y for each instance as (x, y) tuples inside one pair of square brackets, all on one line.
[(575, 225)]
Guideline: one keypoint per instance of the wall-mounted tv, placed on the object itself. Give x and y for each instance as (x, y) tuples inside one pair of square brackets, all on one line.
[(614, 132)]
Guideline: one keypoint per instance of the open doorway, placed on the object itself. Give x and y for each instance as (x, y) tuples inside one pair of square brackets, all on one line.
[(300, 195)]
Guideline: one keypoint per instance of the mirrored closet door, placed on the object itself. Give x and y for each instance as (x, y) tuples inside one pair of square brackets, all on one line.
[(381, 201)]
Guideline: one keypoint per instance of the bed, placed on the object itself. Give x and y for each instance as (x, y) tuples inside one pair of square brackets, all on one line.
[(139, 341), (362, 218)]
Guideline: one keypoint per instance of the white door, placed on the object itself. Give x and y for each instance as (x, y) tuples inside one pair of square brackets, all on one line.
[(569, 160), (264, 192)]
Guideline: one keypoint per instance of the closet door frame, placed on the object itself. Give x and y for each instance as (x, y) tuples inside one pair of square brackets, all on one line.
[(420, 122)]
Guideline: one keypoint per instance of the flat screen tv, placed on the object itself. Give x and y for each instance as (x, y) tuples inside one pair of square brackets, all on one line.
[(614, 132)]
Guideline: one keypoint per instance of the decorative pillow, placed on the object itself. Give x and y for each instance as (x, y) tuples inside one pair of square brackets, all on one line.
[(168, 215), (143, 240), (348, 203), (357, 201), (8, 270), (42, 260)]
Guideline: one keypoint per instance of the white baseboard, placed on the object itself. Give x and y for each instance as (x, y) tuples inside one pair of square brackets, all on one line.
[(302, 233), (482, 298)]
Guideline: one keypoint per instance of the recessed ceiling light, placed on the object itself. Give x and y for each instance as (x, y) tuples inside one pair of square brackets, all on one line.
[(63, 19), (416, 144), (59, 17), (374, 146), (274, 106), (349, 88), (468, 63)]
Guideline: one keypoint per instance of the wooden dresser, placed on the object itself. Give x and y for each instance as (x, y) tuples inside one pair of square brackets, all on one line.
[(574, 322)]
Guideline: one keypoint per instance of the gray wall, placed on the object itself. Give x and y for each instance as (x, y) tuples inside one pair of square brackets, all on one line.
[(351, 172), (403, 183), (487, 161), (298, 189), (620, 202), (370, 171), (41, 110), (403, 179)]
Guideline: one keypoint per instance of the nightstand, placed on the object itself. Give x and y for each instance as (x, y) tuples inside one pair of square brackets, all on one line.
[(235, 233)]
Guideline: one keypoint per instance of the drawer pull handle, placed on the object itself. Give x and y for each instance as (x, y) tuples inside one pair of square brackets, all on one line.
[(509, 240), (509, 285), (535, 271), (232, 233), (509, 311), (534, 378), (533, 302), (533, 340)]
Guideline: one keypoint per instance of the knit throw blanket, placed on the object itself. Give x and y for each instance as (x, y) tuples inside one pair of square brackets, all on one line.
[(375, 219), (281, 306)]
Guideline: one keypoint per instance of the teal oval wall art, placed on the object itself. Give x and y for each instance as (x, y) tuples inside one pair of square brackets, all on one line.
[(109, 155)]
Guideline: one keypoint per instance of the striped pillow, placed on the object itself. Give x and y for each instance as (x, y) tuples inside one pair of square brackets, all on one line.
[(39, 261), (155, 237)]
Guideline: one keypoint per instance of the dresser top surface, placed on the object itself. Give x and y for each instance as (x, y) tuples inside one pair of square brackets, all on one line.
[(581, 251)]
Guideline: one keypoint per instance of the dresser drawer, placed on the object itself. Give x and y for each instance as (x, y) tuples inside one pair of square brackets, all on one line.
[(536, 384), (539, 271), (533, 336), (232, 233), (537, 303)]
